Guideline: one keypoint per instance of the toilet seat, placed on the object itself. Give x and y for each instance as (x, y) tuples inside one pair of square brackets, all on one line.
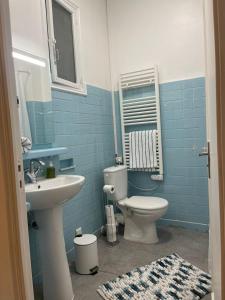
[(144, 203)]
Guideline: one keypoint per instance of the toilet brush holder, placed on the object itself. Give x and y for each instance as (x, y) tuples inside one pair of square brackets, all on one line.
[(111, 224), (111, 233)]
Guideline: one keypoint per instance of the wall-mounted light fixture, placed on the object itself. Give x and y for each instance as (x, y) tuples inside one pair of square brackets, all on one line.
[(29, 59)]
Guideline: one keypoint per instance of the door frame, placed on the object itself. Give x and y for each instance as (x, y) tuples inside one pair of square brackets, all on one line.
[(219, 29), (15, 271)]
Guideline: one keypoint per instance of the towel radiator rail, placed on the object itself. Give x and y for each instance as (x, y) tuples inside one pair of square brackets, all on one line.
[(141, 110)]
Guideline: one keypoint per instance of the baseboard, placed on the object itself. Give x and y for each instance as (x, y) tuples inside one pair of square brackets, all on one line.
[(184, 224)]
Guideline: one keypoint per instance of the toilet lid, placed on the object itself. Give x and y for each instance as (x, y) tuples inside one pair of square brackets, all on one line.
[(143, 202)]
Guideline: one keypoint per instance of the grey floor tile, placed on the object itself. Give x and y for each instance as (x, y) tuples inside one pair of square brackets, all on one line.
[(191, 245), (85, 285), (208, 297)]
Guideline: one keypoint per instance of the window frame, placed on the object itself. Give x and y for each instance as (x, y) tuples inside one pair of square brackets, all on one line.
[(57, 82)]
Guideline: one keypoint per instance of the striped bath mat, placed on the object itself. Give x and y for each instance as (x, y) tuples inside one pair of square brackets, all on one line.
[(168, 278)]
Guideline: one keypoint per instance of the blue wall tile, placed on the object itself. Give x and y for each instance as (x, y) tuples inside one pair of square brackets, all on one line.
[(185, 183), (84, 125)]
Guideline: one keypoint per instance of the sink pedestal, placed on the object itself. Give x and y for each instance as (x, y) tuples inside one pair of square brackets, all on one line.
[(56, 275), (46, 199)]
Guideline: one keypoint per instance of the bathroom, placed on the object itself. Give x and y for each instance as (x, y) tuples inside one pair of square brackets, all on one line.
[(72, 59)]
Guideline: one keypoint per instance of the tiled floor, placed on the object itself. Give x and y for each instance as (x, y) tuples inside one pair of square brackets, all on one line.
[(123, 257), (191, 245)]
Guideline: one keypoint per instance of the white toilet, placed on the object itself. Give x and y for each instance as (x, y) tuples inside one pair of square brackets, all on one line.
[(140, 212)]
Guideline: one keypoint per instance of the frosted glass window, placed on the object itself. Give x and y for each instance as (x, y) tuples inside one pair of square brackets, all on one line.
[(63, 19), (64, 45)]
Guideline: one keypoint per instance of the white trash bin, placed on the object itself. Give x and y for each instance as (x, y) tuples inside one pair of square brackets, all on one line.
[(86, 254)]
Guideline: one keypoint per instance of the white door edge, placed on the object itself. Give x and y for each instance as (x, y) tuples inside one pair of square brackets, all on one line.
[(211, 124)]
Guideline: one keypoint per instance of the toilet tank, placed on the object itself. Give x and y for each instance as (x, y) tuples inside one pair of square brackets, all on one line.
[(117, 176)]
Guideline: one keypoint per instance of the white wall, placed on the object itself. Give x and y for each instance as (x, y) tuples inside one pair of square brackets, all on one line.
[(94, 42), (28, 25), (167, 33), (143, 32), (28, 17)]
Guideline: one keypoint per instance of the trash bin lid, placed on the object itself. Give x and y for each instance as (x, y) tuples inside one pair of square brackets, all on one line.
[(85, 239)]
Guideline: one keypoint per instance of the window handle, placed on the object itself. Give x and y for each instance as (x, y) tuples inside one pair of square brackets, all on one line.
[(57, 54), (54, 53), (54, 50)]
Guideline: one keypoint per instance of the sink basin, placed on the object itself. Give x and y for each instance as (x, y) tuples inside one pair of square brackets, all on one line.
[(51, 192), (46, 198)]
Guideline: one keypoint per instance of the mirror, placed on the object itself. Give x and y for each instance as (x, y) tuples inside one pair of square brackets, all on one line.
[(33, 85)]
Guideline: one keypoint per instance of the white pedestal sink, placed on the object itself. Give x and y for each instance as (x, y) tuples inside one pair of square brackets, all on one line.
[(46, 198)]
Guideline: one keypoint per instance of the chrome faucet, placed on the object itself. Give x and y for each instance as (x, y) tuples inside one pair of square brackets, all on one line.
[(32, 172)]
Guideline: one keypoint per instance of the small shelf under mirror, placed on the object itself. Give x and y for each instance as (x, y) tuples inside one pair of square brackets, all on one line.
[(44, 152)]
